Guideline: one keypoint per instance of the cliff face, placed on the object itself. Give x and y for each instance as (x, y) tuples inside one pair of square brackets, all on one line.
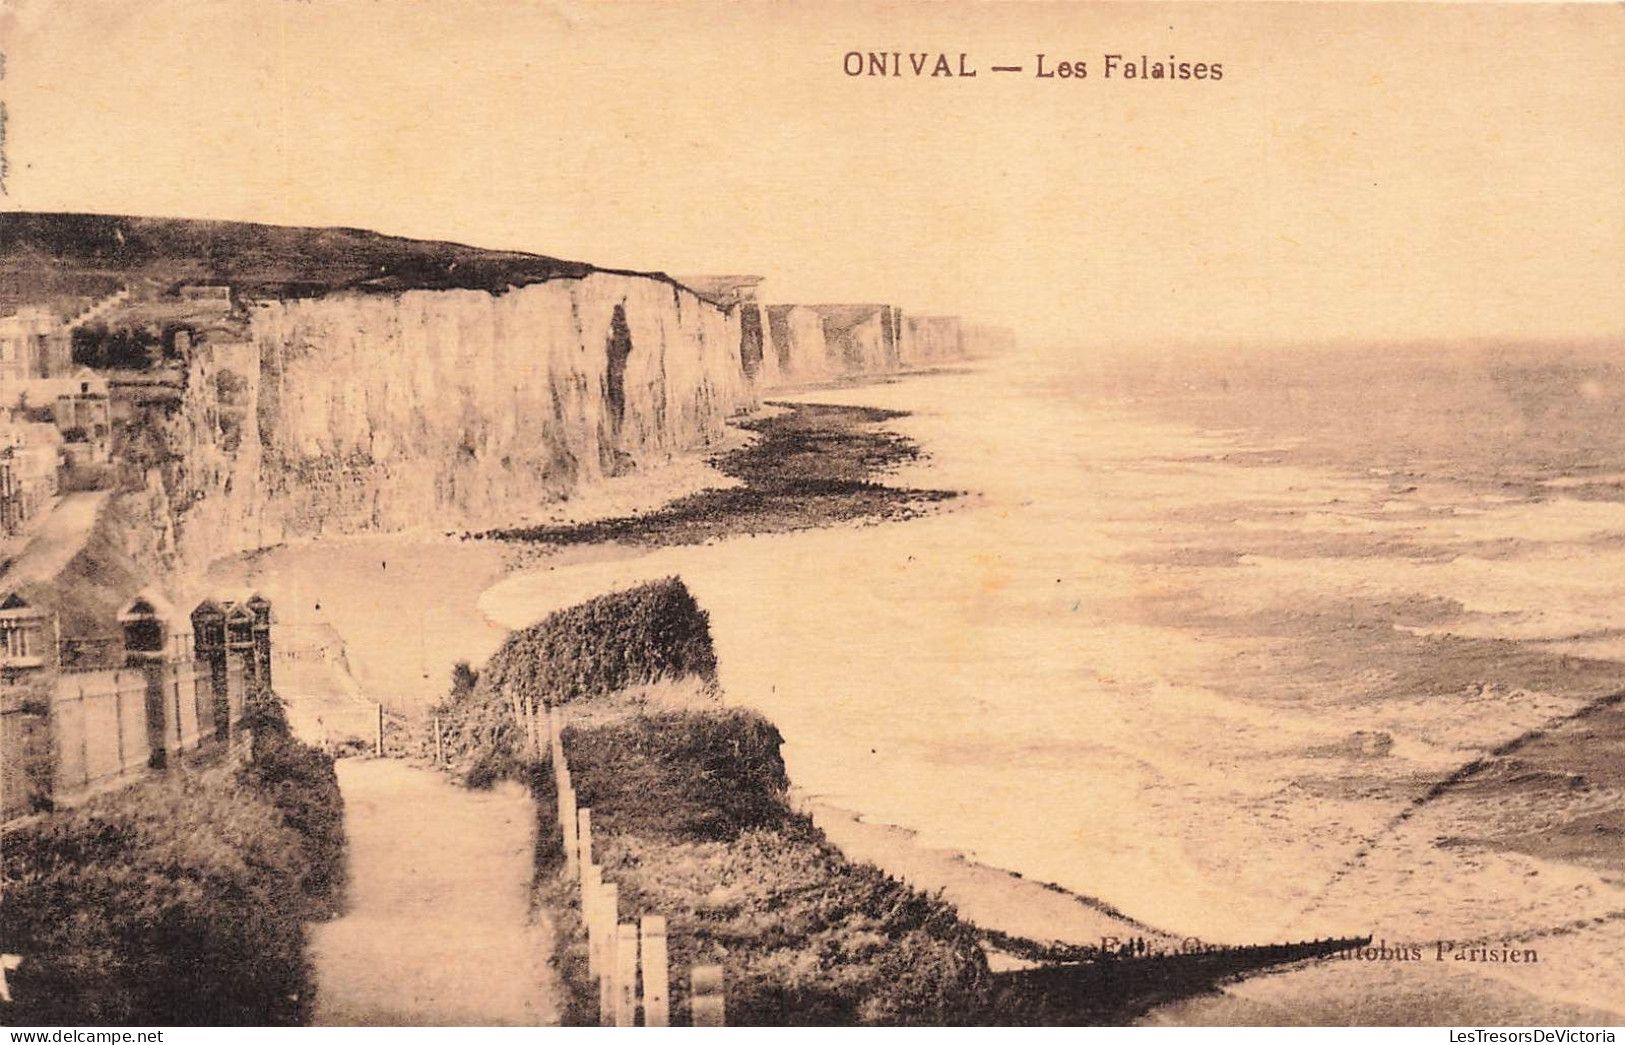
[(794, 351), (362, 412), (810, 343), (313, 382), (804, 344), (298, 382), (861, 338), (932, 339)]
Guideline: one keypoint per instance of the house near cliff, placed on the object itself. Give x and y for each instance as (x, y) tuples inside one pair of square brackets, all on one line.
[(28, 638), (84, 416), (34, 343), (30, 473), (724, 291), (214, 297)]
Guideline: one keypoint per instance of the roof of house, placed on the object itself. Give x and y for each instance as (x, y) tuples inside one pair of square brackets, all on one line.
[(148, 605)]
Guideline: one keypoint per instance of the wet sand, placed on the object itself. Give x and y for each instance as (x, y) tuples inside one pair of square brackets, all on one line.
[(401, 605), (1002, 903)]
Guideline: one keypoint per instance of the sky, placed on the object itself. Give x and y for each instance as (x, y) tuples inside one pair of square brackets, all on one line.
[(1371, 172)]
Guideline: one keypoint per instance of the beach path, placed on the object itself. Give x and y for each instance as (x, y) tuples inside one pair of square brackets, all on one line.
[(438, 929)]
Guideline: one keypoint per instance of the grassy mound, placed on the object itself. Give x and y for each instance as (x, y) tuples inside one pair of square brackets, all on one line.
[(690, 821), (643, 635), (52, 250), (687, 776), (181, 900), (606, 644)]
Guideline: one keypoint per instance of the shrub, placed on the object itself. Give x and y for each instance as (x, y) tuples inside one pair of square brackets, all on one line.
[(650, 632), (694, 775), (175, 902), (463, 680), (180, 900), (301, 785), (644, 635), (480, 736), (690, 821)]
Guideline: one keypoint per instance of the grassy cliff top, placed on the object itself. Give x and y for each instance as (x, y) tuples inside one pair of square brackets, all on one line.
[(44, 249)]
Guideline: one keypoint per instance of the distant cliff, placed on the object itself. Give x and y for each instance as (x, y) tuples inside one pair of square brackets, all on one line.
[(803, 344)]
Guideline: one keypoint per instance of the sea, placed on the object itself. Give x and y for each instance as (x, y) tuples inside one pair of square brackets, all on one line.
[(1252, 645)]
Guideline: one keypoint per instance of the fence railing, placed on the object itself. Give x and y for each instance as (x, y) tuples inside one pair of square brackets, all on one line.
[(85, 732), (629, 961), (100, 732)]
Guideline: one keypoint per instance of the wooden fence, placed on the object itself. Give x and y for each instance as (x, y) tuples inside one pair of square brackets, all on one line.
[(629, 960), (100, 731), (25, 750), (81, 733)]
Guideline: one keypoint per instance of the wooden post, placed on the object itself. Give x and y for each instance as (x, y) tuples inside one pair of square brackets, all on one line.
[(591, 886), (705, 996), (567, 823), (609, 910), (656, 997), (584, 834), (555, 745), (378, 746), (626, 975), (439, 744), (8, 962)]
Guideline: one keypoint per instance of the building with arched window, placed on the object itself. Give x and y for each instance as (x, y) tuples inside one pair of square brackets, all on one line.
[(28, 638)]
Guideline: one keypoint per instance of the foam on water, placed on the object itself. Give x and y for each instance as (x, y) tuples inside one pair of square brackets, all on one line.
[(989, 677)]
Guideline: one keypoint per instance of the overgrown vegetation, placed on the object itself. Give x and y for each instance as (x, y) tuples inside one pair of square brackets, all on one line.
[(181, 900), (605, 644), (99, 346), (716, 773), (691, 822), (299, 781), (652, 632), (478, 731)]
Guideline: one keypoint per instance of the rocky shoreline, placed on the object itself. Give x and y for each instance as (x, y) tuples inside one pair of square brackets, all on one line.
[(809, 465)]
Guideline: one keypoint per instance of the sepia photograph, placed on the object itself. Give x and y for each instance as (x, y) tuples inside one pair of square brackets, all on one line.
[(854, 513)]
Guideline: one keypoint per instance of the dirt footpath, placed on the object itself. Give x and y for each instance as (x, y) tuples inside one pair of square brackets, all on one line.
[(438, 929)]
